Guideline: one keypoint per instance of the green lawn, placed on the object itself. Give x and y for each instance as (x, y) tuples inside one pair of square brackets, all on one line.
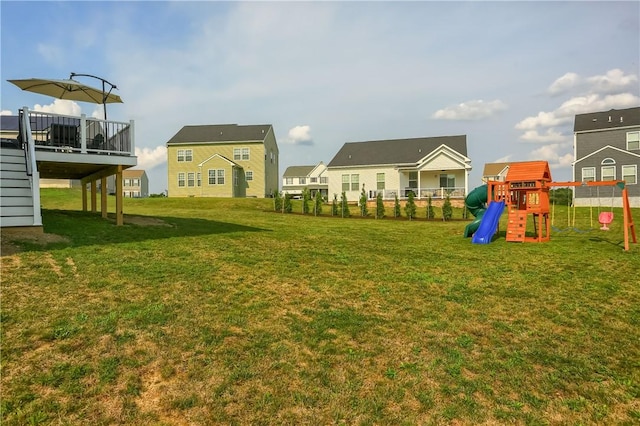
[(224, 312)]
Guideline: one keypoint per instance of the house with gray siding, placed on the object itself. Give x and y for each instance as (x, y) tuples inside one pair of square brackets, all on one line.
[(607, 147)]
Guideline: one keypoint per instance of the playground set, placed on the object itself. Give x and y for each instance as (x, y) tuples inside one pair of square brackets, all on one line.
[(524, 193)]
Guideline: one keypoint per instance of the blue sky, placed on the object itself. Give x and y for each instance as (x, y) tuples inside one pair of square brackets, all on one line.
[(509, 75)]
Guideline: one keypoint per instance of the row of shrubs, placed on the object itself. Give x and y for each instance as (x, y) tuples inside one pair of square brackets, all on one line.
[(283, 203)]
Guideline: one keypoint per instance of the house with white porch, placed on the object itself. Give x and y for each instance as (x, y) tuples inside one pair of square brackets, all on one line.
[(55, 146), (427, 166), (296, 178)]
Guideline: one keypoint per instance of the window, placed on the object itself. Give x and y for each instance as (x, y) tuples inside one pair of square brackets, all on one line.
[(127, 182), (447, 181), (249, 175), (608, 161), (324, 180), (633, 140), (237, 154), (302, 181), (135, 194), (199, 178), (608, 173), (588, 174), (313, 180), (288, 181), (345, 183), (245, 154), (185, 155), (135, 182), (413, 179), (220, 177), (380, 181), (127, 194), (181, 181), (355, 182), (630, 174), (191, 179)]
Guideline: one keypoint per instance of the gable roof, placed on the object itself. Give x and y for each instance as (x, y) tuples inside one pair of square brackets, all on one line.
[(607, 119), (295, 171), (604, 148), (494, 169), (132, 173), (233, 163), (394, 151), (529, 170), (220, 133)]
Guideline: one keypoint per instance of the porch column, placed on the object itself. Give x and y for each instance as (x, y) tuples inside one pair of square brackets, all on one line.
[(103, 197), (94, 206), (119, 214), (419, 185), (84, 196), (466, 182)]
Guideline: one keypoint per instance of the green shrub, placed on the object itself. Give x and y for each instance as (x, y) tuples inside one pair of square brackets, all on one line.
[(396, 207), (379, 206), (317, 204), (364, 211), (410, 206), (344, 205), (431, 214), (447, 210)]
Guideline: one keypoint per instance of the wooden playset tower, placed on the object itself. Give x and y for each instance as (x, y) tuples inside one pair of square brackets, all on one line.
[(525, 192)]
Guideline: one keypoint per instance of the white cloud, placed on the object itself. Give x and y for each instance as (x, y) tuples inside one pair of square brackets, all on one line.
[(551, 135), (299, 135), (504, 159), (60, 106), (51, 54), (149, 158), (555, 154), (471, 110), (6, 112), (614, 81), (543, 119), (564, 83)]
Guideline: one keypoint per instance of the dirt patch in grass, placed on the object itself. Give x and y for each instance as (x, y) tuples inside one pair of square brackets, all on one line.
[(11, 238)]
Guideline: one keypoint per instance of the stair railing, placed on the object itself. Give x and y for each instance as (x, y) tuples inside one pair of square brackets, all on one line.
[(28, 146)]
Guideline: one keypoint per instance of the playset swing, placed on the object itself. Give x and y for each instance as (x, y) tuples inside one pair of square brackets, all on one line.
[(525, 191)]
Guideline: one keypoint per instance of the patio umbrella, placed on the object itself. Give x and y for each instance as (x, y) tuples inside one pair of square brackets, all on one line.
[(71, 90)]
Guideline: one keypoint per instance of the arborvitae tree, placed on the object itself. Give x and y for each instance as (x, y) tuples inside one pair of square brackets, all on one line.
[(431, 214), (396, 207), (306, 197), (379, 206), (287, 203), (465, 212), (277, 201), (344, 205), (447, 210), (317, 204), (410, 206), (334, 205), (364, 211)]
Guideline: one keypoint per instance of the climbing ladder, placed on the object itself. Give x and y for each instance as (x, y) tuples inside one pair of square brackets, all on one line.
[(517, 226)]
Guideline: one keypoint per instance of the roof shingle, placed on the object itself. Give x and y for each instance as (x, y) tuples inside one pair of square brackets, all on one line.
[(395, 151), (220, 133), (607, 119)]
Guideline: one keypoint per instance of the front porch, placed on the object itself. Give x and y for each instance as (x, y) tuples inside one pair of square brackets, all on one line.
[(90, 150)]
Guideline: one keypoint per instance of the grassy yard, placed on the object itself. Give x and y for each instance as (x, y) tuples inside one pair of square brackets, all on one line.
[(216, 311)]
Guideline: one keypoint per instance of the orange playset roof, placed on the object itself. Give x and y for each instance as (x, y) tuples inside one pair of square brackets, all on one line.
[(528, 171)]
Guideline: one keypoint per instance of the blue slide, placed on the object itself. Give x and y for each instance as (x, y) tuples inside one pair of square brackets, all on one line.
[(489, 225)]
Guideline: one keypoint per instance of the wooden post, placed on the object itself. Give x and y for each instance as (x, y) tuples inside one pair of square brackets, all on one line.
[(94, 205), (119, 214), (103, 197), (84, 196)]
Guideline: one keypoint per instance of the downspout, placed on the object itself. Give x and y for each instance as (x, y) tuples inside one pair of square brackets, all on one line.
[(32, 166)]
